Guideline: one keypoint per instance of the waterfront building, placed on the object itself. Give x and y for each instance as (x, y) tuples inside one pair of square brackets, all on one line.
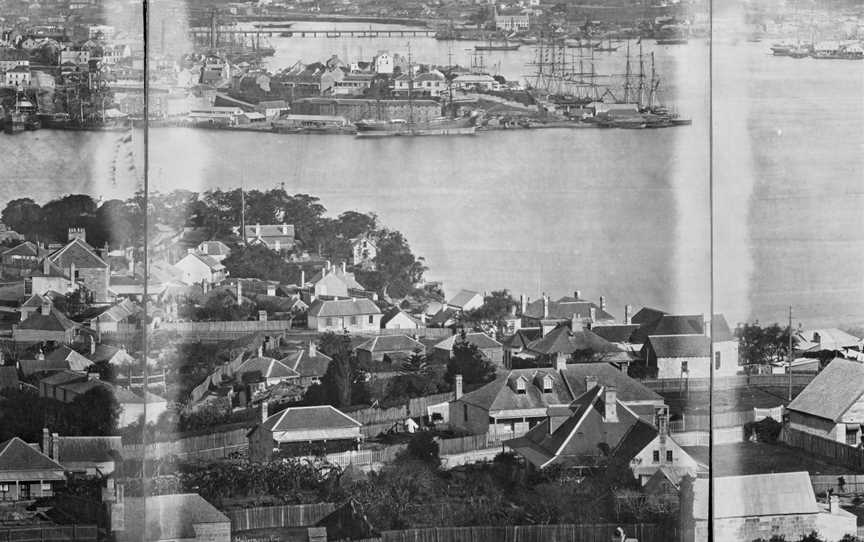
[(355, 109), (512, 20)]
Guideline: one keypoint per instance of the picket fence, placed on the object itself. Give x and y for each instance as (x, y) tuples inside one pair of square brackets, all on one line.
[(830, 450), (644, 532), (46, 533), (202, 447), (270, 517), (361, 458)]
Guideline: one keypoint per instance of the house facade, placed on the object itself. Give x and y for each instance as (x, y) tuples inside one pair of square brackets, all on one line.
[(83, 265), (276, 237), (489, 347), (26, 473), (832, 405), (391, 347), (353, 315), (303, 431), (200, 268)]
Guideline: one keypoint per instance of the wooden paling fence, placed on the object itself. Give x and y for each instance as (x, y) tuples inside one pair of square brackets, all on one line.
[(413, 408), (40, 533), (852, 483), (270, 517), (830, 450), (644, 532), (204, 447), (726, 383)]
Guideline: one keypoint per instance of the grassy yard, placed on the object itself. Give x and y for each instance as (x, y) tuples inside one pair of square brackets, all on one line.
[(758, 458), (739, 399)]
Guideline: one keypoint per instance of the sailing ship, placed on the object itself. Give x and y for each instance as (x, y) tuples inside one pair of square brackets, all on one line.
[(410, 127), (505, 46), (20, 117), (609, 48)]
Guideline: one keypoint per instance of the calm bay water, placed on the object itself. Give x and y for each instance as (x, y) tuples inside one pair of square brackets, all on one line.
[(620, 213)]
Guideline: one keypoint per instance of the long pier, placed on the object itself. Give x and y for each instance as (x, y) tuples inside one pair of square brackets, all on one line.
[(204, 34)]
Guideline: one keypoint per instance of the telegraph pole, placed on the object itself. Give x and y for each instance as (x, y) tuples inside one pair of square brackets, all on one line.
[(789, 354)]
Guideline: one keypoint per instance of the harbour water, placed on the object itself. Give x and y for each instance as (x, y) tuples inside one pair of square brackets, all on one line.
[(620, 213)]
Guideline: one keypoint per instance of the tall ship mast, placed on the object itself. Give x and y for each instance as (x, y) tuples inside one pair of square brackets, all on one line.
[(441, 125)]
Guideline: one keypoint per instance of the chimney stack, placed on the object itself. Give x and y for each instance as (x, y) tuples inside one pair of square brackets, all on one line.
[(610, 402), (575, 323), (513, 310), (46, 266), (257, 230), (46, 307), (302, 278), (271, 290), (313, 349), (92, 345), (592, 314), (523, 304), (327, 265), (264, 411), (577, 294), (46, 441), (545, 306), (458, 386), (628, 313), (560, 362), (55, 446), (706, 325), (602, 303), (590, 382), (72, 272), (261, 351), (132, 262), (284, 229), (344, 268), (239, 292), (833, 504)]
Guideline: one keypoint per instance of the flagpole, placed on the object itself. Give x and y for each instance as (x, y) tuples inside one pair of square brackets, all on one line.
[(145, 255)]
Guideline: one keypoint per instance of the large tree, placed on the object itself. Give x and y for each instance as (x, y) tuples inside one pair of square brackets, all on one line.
[(24, 216), (759, 345), (467, 360)]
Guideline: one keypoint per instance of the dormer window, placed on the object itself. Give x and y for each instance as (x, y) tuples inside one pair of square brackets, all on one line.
[(547, 384), (520, 386)]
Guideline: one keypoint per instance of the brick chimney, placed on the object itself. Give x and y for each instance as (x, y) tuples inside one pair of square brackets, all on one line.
[(590, 382), (523, 304), (46, 441), (46, 266), (602, 303), (257, 230), (46, 307), (560, 362), (239, 292), (271, 290), (458, 386), (833, 504), (313, 349), (72, 272), (265, 411), (592, 314), (302, 278), (76, 233), (610, 404), (344, 268), (577, 294), (545, 306), (706, 325), (55, 446), (284, 229), (261, 351), (575, 322), (628, 313)]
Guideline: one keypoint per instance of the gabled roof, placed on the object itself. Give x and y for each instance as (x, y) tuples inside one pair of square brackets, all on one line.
[(311, 417), (72, 359), (521, 339), (616, 333), (564, 341), (500, 394), (209, 261), (34, 300), (815, 340), (63, 377), (17, 458), (167, 517), (640, 435), (443, 316), (393, 312), (647, 315), (214, 248), (564, 309), (335, 272), (463, 298), (79, 253), (833, 391), (480, 340), (629, 390), (24, 249), (307, 365), (680, 346), (267, 367), (542, 447), (343, 307), (55, 321), (775, 494), (391, 343)]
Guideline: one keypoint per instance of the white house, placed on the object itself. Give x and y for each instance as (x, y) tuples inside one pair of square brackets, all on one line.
[(832, 405), (354, 315), (18, 77), (383, 62), (198, 268)]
